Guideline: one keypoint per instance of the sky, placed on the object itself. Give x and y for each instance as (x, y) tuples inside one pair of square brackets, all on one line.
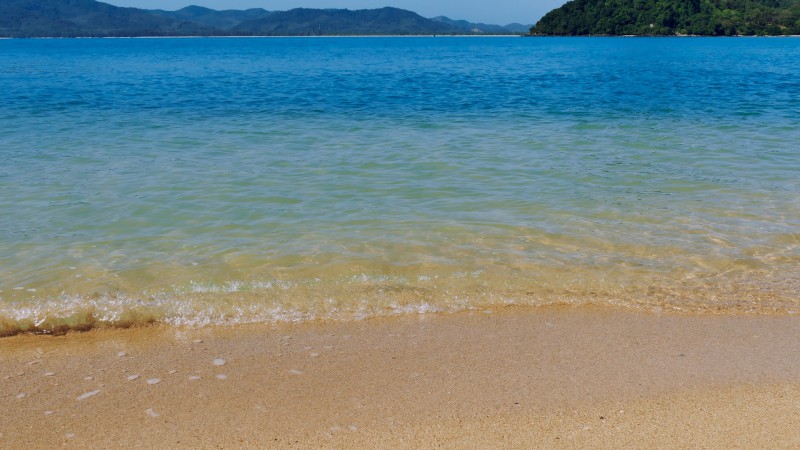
[(499, 12)]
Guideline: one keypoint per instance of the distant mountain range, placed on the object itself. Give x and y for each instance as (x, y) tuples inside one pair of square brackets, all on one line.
[(90, 18), (484, 28)]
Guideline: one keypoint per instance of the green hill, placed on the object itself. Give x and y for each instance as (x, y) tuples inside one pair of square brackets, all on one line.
[(672, 17)]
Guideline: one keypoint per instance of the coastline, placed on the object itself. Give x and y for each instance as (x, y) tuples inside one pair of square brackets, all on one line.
[(531, 377), (233, 36)]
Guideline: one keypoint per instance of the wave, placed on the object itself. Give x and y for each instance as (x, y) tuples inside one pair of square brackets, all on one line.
[(365, 296)]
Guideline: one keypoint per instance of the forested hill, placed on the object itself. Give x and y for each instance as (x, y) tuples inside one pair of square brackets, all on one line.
[(672, 17)]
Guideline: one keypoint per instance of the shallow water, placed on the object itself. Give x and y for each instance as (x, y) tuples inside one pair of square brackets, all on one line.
[(195, 181)]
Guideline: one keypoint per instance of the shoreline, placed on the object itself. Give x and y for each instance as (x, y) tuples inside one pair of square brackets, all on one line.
[(412, 36), (564, 376), (281, 36)]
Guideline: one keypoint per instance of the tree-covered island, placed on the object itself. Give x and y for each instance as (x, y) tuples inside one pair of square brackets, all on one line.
[(672, 17)]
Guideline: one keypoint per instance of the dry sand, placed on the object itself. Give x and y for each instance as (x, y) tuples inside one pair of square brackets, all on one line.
[(514, 378)]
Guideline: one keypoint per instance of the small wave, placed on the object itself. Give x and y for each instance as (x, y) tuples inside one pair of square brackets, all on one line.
[(363, 296)]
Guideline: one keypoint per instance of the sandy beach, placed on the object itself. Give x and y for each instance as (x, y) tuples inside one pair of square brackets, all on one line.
[(514, 378)]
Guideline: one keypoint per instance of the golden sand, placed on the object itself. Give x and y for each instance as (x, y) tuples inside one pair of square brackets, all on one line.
[(515, 378)]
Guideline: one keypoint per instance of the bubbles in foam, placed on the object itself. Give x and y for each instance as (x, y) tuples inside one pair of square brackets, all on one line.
[(365, 295)]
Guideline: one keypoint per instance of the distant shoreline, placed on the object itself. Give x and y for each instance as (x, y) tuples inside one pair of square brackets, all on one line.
[(656, 36), (404, 36), (288, 36)]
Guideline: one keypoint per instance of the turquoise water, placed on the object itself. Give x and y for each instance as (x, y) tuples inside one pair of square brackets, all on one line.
[(205, 181)]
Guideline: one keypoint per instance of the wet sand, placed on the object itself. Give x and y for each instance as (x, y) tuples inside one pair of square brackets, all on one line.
[(516, 377)]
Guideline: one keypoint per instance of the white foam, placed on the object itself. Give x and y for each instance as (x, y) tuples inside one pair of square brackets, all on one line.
[(133, 377), (151, 413), (222, 376), (154, 381), (219, 362)]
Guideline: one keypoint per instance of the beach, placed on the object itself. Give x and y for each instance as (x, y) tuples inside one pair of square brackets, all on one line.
[(506, 377)]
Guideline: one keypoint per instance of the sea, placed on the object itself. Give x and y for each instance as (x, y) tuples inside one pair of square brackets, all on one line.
[(218, 181)]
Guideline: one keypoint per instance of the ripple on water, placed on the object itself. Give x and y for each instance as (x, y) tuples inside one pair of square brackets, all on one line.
[(592, 176)]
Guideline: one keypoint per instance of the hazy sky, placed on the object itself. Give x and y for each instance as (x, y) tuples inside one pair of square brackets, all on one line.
[(487, 11)]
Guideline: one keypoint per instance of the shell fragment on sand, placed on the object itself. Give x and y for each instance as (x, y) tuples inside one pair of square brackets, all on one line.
[(88, 394)]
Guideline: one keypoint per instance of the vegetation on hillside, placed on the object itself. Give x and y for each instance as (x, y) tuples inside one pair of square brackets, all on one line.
[(671, 17)]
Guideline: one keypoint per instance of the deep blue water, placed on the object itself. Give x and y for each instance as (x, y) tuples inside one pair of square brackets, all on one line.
[(224, 180)]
